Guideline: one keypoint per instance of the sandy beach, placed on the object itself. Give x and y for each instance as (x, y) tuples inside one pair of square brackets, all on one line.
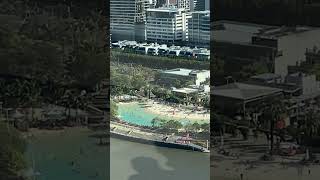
[(176, 113)]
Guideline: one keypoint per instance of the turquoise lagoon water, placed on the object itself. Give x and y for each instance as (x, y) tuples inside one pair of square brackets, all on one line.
[(136, 114)]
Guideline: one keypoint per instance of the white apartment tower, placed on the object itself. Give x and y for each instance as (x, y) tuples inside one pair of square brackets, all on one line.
[(199, 28), (186, 4), (167, 24), (126, 16)]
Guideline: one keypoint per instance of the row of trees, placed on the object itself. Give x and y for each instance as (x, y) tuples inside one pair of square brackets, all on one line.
[(157, 62), (174, 125), (49, 53), (126, 78), (167, 95)]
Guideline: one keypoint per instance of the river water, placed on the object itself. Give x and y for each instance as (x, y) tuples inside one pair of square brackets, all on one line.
[(73, 155), (133, 161)]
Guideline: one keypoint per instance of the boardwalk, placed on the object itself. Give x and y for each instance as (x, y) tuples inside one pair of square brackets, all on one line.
[(136, 135)]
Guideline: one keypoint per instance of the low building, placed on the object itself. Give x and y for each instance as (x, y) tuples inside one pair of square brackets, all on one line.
[(242, 98), (184, 92), (196, 77)]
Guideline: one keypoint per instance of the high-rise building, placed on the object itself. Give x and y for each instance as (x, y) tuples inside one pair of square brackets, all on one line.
[(183, 4), (193, 5), (153, 3), (167, 24), (161, 3), (199, 28), (201, 5), (126, 17), (186, 4)]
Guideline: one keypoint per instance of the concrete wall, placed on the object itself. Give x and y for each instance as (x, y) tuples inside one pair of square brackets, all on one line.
[(202, 77), (293, 49), (309, 84)]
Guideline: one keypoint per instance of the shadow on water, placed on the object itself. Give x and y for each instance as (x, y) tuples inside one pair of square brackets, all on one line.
[(148, 168), (181, 167)]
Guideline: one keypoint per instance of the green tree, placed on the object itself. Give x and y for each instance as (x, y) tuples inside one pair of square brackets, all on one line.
[(156, 121), (114, 108), (205, 127), (172, 125), (196, 126), (177, 83), (12, 149)]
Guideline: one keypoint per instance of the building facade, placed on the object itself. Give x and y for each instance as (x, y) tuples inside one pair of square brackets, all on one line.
[(127, 16), (290, 43), (201, 5), (278, 47), (308, 83), (186, 4), (199, 28), (167, 24)]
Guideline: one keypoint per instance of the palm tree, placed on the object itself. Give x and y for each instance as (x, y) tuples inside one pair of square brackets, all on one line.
[(155, 121), (218, 126), (274, 111)]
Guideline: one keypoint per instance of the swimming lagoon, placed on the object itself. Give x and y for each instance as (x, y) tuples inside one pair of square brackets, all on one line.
[(135, 113)]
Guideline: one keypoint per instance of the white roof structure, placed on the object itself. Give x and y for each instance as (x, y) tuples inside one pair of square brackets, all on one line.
[(166, 9), (185, 90)]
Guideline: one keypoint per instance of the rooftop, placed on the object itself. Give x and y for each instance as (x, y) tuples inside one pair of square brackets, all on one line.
[(240, 32), (185, 90), (266, 76), (166, 9), (183, 72), (285, 87), (243, 91), (233, 31), (283, 31), (207, 12)]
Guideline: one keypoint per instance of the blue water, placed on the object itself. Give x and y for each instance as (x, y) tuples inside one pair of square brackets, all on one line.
[(136, 114), (54, 152)]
